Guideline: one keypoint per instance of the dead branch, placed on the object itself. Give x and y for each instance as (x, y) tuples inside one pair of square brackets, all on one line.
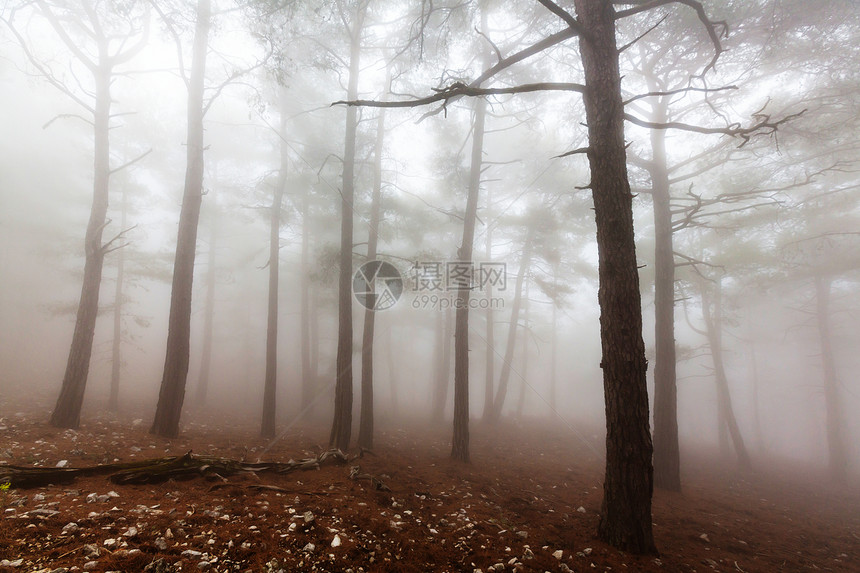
[(568, 18), (459, 89), (679, 91), (131, 162), (764, 126)]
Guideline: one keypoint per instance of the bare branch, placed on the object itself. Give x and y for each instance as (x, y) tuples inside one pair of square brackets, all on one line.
[(569, 19), (678, 91), (710, 25), (132, 162), (460, 89), (642, 35), (573, 152), (67, 116), (765, 126)]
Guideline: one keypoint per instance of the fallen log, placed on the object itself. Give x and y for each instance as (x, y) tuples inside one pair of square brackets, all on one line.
[(161, 469)]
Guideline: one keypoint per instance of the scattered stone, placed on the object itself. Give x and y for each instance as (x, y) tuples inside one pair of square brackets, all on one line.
[(523, 534), (91, 550), (336, 541), (308, 517), (39, 498), (15, 563), (130, 532), (564, 568), (528, 554), (204, 565), (112, 494), (90, 565), (110, 543), (586, 551), (161, 543), (191, 554), (60, 570), (557, 554), (158, 566), (309, 548), (62, 464), (704, 537), (70, 528), (580, 509)]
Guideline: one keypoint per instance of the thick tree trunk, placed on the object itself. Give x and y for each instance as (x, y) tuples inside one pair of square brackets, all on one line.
[(667, 465), (510, 344), (67, 411), (172, 393), (838, 459), (625, 517), (365, 425), (267, 426), (341, 428), (460, 441), (208, 316), (116, 344), (714, 328)]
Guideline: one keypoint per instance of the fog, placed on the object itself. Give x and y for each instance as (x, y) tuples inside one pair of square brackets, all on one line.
[(759, 219)]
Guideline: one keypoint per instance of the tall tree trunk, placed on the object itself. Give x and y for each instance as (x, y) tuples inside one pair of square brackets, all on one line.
[(838, 459), (270, 387), (490, 355), (67, 411), (625, 517), (341, 428), (208, 315), (460, 441), (553, 364), (365, 424), (309, 374), (524, 374), (754, 387), (667, 464), (714, 327), (116, 345), (392, 372), (440, 374), (172, 393), (505, 375)]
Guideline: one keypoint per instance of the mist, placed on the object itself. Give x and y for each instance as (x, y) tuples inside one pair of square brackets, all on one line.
[(743, 194)]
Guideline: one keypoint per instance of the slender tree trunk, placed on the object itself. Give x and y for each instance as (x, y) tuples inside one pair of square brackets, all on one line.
[(341, 429), (440, 372), (208, 316), (460, 442), (553, 365), (67, 411), (838, 459), (392, 372), (308, 371), (172, 393), (116, 346), (365, 425), (521, 400), (754, 387), (267, 427), (625, 517), (510, 345), (713, 324), (667, 464), (490, 357)]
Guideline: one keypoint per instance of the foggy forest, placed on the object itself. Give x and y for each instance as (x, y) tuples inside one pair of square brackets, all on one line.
[(366, 285)]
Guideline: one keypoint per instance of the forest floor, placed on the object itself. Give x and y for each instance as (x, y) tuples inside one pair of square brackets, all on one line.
[(529, 501)]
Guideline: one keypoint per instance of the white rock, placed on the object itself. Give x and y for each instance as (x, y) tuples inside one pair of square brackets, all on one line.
[(336, 541), (70, 528), (704, 537), (15, 563), (557, 554), (587, 550), (580, 509), (130, 532), (110, 542), (309, 548), (90, 565), (62, 463), (308, 517)]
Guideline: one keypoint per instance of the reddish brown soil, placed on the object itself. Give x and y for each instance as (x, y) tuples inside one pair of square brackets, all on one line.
[(528, 493)]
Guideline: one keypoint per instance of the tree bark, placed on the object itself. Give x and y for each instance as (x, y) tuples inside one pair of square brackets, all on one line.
[(510, 344), (270, 387), (341, 429), (309, 375), (172, 392), (208, 316), (116, 345), (838, 459), (714, 328), (667, 464), (67, 411), (625, 517), (365, 424), (490, 356), (460, 441), (524, 374)]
